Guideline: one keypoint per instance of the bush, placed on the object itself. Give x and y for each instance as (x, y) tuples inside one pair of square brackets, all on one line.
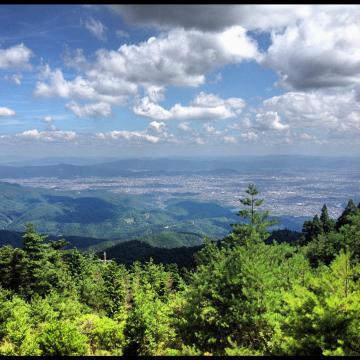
[(106, 335), (62, 338)]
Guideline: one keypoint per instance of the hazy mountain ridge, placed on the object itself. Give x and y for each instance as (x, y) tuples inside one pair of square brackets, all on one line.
[(139, 167)]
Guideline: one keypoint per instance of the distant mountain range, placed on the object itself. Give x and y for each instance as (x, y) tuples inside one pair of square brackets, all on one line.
[(140, 167)]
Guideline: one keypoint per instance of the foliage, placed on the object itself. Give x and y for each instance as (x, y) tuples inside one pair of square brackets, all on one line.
[(322, 318), (62, 338), (248, 294), (255, 221)]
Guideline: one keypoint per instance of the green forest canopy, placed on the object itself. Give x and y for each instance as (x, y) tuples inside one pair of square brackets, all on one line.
[(245, 296)]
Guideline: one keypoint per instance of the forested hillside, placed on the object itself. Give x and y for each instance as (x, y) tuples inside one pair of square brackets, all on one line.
[(245, 295)]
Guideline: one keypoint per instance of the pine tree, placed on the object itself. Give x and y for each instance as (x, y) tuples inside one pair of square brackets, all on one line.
[(34, 262), (312, 228), (34, 246), (252, 202), (255, 221), (327, 223), (349, 210), (42, 266)]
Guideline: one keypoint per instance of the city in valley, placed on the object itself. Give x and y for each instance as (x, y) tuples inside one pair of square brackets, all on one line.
[(292, 194)]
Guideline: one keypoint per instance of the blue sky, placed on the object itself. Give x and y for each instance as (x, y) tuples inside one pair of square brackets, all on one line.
[(157, 80)]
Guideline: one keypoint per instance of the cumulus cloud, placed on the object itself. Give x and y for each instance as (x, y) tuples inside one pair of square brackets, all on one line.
[(335, 112), (203, 107), (179, 57), (156, 132), (157, 126), (100, 109), (15, 57), (269, 120), (47, 136), (321, 51), (175, 58), (312, 46), (134, 136), (4, 111), (212, 17), (96, 28), (96, 87)]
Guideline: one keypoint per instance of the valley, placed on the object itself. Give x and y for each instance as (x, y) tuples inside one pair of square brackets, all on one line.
[(176, 206)]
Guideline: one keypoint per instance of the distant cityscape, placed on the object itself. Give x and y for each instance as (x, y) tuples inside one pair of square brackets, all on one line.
[(291, 194)]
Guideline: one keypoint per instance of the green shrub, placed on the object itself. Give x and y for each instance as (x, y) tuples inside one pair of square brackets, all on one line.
[(63, 338)]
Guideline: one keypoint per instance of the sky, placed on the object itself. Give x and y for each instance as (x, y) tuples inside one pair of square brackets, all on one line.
[(179, 80)]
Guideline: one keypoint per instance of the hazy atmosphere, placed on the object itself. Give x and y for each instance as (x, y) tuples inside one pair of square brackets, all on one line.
[(137, 80)]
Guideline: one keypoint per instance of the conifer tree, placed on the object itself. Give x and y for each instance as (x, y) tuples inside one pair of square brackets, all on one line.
[(344, 217), (326, 222), (255, 221), (42, 265), (312, 228)]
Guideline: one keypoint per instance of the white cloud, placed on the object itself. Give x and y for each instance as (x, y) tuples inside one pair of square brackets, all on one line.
[(185, 126), (75, 59), (320, 51), (157, 126), (145, 107), (155, 93), (100, 109), (269, 120), (17, 57), (249, 136), (96, 87), (209, 129), (96, 28), (48, 119), (4, 111), (203, 107), (313, 46), (330, 112), (134, 136), (47, 136), (228, 139), (156, 132), (200, 141), (306, 137), (179, 57)]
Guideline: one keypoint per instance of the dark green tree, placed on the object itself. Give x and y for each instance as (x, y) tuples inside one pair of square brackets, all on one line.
[(42, 266), (311, 229), (327, 223), (350, 209), (11, 267)]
